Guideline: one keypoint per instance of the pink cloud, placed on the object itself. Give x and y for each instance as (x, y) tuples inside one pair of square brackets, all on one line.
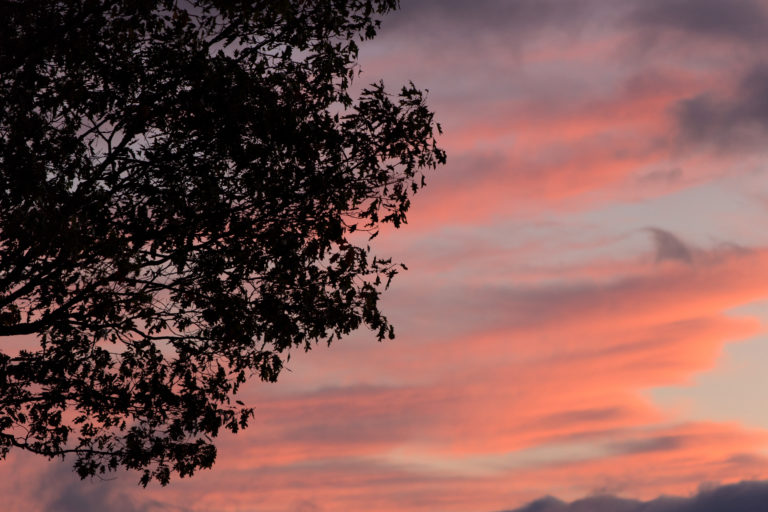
[(571, 375)]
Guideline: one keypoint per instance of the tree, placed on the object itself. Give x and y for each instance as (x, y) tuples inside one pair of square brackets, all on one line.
[(183, 190)]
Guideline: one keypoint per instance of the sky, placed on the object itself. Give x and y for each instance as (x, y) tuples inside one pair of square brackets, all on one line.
[(582, 327)]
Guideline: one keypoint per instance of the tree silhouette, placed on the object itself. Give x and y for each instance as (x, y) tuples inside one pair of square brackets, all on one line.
[(179, 186)]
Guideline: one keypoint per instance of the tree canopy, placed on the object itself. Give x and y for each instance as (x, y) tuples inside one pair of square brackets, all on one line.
[(181, 183)]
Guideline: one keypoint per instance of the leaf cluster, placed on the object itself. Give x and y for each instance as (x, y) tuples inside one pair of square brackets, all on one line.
[(180, 182)]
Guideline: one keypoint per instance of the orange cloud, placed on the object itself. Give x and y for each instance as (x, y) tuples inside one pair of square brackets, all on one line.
[(449, 420)]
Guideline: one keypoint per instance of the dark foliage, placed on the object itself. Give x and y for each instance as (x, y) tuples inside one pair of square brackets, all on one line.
[(179, 185)]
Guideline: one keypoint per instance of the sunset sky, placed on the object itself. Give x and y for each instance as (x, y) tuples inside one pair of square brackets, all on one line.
[(586, 302)]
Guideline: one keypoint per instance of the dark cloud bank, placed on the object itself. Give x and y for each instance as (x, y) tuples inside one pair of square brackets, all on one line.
[(732, 19), (60, 490), (741, 497), (729, 122), (738, 20)]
